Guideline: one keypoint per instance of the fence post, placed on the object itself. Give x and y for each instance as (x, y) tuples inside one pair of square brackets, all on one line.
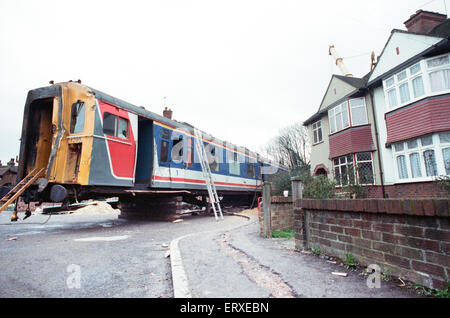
[(267, 226), (300, 219), (297, 189)]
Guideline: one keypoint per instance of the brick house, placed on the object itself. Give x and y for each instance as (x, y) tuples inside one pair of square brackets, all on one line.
[(392, 127), (8, 174)]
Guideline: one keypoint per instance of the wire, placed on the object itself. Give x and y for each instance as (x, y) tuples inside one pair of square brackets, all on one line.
[(427, 3), (34, 223), (362, 54)]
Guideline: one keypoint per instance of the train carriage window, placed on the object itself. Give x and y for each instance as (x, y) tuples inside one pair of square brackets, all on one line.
[(123, 128), (164, 154), (212, 158), (165, 145), (177, 150), (250, 170), (115, 126), (234, 166), (77, 117), (109, 124)]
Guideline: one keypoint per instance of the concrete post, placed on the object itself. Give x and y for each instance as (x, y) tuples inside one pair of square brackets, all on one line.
[(297, 189), (300, 219), (267, 226)]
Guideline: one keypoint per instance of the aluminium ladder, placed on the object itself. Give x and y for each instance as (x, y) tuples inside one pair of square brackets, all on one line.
[(213, 197), (15, 192)]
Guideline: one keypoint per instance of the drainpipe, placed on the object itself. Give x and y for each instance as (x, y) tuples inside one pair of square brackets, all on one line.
[(377, 142)]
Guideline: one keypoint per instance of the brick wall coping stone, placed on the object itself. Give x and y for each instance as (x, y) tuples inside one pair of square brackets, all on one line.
[(281, 199), (418, 206)]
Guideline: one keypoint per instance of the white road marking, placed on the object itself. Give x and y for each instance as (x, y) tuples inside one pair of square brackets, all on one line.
[(102, 239)]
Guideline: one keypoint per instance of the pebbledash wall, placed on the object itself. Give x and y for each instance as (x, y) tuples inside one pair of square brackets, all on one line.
[(408, 238)]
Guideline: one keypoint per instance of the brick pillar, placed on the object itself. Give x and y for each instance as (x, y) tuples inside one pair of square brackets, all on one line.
[(267, 226), (300, 220)]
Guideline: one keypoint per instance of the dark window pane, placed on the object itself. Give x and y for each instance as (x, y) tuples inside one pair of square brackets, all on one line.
[(363, 156), (109, 124), (77, 117), (365, 173), (123, 128), (344, 175), (430, 162), (337, 175), (250, 170), (165, 134), (164, 155)]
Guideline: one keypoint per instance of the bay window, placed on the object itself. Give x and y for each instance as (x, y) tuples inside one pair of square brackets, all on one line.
[(427, 77), (423, 158), (353, 169), (352, 112)]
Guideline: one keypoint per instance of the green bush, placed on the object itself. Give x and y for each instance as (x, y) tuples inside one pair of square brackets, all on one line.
[(319, 187), (443, 182)]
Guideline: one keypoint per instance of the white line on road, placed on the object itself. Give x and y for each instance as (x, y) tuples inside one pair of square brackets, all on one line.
[(102, 239)]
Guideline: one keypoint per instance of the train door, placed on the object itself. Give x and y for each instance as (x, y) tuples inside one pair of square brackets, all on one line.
[(39, 133), (120, 130), (144, 161)]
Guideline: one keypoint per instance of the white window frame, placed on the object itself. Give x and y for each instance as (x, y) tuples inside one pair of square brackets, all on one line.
[(424, 72), (437, 146), (332, 115), (315, 130)]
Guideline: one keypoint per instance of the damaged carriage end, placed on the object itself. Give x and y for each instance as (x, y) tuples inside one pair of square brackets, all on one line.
[(55, 142)]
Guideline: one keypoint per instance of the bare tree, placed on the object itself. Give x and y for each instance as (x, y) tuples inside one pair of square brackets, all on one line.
[(291, 147)]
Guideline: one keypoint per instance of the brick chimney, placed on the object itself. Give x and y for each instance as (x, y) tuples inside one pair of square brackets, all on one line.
[(11, 163), (424, 21), (167, 113)]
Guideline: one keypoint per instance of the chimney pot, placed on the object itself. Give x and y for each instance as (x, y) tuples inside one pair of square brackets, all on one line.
[(424, 21), (167, 113), (11, 163)]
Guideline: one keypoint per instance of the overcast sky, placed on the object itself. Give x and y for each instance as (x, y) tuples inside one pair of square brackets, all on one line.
[(239, 70)]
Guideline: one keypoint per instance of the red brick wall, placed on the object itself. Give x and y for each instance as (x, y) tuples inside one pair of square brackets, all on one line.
[(8, 178), (414, 190), (409, 238), (405, 190), (281, 214)]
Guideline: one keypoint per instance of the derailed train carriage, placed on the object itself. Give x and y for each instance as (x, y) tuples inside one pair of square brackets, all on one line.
[(78, 143)]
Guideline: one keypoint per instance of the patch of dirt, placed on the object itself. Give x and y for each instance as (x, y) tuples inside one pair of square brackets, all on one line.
[(261, 275), (97, 207)]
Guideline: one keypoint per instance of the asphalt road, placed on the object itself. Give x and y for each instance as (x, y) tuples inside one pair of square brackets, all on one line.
[(92, 255), (99, 255)]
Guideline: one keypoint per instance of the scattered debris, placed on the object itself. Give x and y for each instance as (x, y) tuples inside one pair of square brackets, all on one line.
[(165, 245), (332, 262), (12, 239), (167, 254), (340, 274), (178, 221), (403, 283), (306, 252)]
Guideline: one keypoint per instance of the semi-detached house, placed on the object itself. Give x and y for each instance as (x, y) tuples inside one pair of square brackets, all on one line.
[(391, 128)]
